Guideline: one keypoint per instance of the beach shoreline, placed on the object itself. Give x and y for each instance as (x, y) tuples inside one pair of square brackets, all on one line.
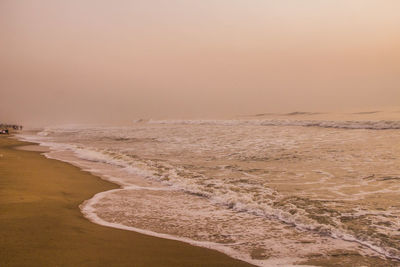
[(338, 257), (42, 224)]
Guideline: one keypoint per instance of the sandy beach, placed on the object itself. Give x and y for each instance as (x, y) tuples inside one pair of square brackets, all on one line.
[(41, 224)]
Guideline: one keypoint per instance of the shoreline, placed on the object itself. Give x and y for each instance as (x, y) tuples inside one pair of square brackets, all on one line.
[(65, 241), (337, 257), (86, 210)]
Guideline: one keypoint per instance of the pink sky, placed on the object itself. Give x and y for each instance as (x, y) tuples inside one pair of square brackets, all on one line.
[(113, 61)]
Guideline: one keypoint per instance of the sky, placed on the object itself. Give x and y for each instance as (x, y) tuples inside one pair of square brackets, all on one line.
[(102, 61)]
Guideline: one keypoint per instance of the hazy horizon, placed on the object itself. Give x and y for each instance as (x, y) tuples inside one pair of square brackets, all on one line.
[(112, 62)]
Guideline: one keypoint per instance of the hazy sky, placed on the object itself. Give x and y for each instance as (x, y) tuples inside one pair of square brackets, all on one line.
[(114, 61)]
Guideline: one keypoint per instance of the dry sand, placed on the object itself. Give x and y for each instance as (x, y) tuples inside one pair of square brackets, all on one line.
[(41, 224)]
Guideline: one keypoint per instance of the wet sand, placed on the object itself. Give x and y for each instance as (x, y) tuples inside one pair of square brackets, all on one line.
[(41, 224), (36, 148)]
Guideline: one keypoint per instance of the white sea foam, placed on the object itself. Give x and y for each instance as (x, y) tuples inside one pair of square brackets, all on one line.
[(240, 169), (90, 213)]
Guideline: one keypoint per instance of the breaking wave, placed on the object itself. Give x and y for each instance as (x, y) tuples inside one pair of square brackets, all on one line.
[(370, 125), (307, 179)]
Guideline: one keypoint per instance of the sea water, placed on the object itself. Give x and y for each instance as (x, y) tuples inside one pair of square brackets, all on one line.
[(270, 192)]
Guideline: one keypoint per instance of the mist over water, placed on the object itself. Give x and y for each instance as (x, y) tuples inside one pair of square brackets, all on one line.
[(101, 62)]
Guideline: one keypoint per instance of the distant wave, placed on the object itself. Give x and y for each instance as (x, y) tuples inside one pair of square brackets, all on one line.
[(366, 112), (295, 113), (371, 125), (302, 113), (140, 120)]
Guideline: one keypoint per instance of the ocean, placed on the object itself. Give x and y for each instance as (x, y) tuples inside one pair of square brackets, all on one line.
[(267, 191)]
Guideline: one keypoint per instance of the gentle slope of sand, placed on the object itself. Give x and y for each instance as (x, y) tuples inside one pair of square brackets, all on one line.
[(41, 224)]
